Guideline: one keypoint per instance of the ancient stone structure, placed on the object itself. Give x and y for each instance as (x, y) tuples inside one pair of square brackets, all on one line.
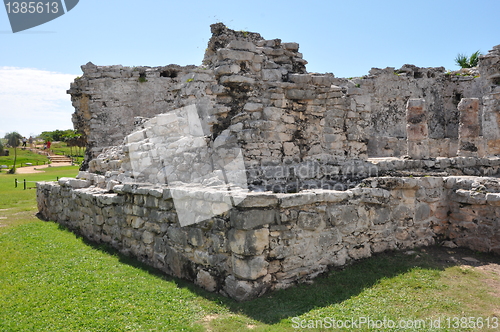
[(248, 174)]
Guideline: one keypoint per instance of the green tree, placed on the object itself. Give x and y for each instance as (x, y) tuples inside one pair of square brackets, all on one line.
[(70, 136), (13, 139), (56, 135), (1, 148), (463, 61)]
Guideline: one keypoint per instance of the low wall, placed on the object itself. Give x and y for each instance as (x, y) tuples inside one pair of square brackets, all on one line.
[(474, 220), (267, 241)]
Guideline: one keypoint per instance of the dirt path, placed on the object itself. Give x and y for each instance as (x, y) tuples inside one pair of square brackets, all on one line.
[(38, 169)]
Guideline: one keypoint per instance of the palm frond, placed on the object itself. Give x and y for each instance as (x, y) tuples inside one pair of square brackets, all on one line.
[(462, 61), (474, 58)]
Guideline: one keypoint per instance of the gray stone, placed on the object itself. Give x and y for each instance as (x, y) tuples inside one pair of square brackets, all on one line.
[(147, 237), (250, 219), (309, 221), (250, 268), (241, 45), (235, 55), (205, 280), (241, 290), (249, 243)]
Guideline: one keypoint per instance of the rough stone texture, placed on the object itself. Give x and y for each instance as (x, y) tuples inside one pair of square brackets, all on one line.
[(249, 174), (323, 228), (470, 144), (417, 130)]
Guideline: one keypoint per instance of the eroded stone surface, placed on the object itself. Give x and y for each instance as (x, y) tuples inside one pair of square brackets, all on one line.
[(248, 174)]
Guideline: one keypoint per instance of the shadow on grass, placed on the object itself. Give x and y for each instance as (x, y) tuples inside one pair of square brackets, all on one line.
[(334, 287)]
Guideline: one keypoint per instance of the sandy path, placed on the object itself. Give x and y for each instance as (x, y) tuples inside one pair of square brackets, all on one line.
[(38, 169)]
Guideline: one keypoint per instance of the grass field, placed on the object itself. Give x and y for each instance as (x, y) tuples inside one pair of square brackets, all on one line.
[(26, 156), (53, 280), (23, 157)]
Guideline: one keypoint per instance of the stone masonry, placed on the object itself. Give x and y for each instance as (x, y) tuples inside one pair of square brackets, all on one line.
[(248, 174)]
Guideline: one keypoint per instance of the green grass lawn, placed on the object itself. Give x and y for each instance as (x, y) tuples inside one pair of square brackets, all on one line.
[(53, 280), (23, 157)]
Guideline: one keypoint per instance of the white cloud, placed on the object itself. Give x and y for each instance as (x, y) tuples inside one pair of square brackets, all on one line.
[(33, 100)]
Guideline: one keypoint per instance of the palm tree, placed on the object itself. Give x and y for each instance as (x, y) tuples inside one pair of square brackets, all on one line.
[(463, 61), (13, 139)]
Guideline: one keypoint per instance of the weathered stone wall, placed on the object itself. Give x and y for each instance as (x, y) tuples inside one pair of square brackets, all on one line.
[(268, 241), (474, 213), (261, 90), (248, 174), (272, 241), (258, 89)]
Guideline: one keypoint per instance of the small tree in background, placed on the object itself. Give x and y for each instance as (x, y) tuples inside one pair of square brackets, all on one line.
[(13, 139), (463, 61), (1, 148)]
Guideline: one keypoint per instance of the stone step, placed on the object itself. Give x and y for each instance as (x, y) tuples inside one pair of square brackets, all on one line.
[(59, 159)]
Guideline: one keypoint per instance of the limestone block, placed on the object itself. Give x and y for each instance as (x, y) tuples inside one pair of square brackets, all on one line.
[(290, 149), (469, 197), (309, 221), (205, 280), (225, 53), (417, 132), (345, 218), (273, 113), (300, 94), (300, 78), (324, 80), (242, 290), (272, 75), (73, 183), (195, 237), (258, 200), (359, 252), (299, 199), (147, 237), (469, 117), (418, 149), (236, 79), (249, 243), (227, 70), (250, 219), (242, 45), (136, 222), (251, 268), (177, 236), (330, 238), (253, 107), (294, 47), (493, 199), (380, 215)]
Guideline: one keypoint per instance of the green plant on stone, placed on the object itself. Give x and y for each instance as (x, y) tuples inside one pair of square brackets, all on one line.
[(463, 61), (189, 80), (142, 79)]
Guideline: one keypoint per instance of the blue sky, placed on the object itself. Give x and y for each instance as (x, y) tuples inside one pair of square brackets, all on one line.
[(346, 38)]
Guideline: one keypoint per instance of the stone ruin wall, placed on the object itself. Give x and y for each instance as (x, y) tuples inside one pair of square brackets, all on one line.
[(272, 241), (317, 189)]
